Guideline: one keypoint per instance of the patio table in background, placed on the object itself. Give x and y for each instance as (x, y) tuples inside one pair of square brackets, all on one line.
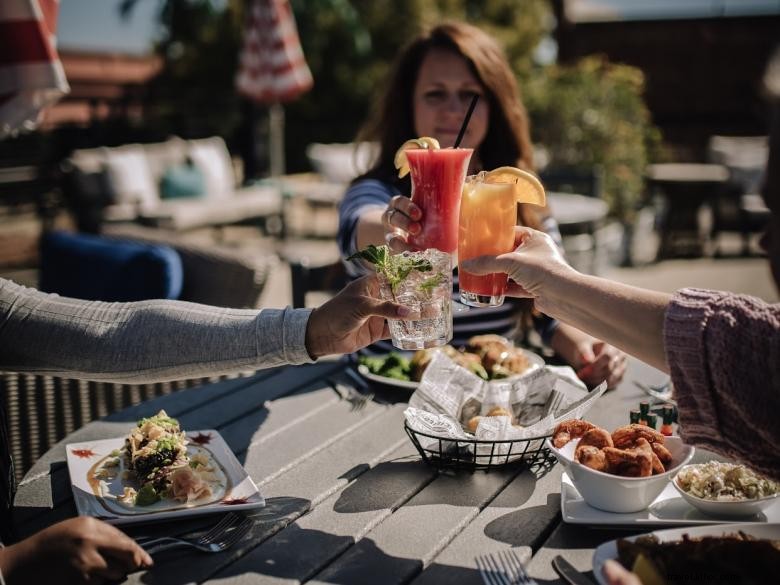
[(348, 498), (686, 187)]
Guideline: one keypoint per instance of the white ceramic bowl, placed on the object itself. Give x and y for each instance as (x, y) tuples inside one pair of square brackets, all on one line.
[(720, 509), (614, 493)]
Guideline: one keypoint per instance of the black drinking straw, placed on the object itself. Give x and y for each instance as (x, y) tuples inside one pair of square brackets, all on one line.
[(466, 120)]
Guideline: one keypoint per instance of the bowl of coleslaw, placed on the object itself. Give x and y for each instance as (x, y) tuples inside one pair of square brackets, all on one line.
[(725, 490)]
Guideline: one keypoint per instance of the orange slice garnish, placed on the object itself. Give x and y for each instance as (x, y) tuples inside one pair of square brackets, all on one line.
[(400, 161), (527, 188)]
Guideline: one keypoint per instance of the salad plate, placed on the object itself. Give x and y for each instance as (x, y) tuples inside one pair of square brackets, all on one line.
[(609, 550), (535, 361), (105, 488), (668, 509)]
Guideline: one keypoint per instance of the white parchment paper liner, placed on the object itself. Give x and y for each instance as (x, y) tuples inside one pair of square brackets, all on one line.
[(449, 395)]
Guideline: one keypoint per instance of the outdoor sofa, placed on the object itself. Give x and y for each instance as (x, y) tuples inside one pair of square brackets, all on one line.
[(177, 185)]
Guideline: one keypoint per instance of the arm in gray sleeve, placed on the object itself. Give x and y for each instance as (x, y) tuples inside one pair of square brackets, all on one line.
[(146, 341)]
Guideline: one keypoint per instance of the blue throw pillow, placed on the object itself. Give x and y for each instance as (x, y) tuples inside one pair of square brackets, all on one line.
[(85, 266), (182, 181)]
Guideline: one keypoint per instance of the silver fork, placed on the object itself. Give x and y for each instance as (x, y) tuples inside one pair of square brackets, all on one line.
[(504, 568), (228, 520), (216, 540), (357, 400)]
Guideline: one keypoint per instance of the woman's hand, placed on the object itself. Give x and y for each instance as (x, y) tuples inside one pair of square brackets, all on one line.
[(599, 361), (530, 266), (617, 575), (353, 319), (79, 550), (401, 218)]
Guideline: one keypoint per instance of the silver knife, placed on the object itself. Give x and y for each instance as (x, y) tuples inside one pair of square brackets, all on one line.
[(568, 573)]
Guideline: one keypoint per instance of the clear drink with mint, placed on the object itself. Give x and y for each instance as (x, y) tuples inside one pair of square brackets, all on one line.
[(419, 280)]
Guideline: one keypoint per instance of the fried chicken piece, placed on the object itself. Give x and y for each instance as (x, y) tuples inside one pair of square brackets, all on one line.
[(596, 437), (591, 456), (570, 429), (626, 437), (629, 462), (662, 453)]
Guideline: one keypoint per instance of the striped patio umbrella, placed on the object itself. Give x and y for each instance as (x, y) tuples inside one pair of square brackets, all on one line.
[(272, 67), (31, 75)]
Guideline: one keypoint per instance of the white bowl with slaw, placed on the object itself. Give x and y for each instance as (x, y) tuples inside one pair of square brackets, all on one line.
[(727, 506)]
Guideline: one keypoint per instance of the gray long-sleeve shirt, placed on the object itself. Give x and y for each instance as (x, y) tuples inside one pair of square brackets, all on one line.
[(146, 341)]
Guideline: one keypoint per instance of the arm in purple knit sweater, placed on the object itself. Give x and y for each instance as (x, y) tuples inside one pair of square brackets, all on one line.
[(723, 352)]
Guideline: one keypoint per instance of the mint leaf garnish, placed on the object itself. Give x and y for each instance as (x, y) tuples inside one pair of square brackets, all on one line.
[(396, 268)]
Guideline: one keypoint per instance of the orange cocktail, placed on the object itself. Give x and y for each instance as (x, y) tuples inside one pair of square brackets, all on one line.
[(437, 182), (488, 213)]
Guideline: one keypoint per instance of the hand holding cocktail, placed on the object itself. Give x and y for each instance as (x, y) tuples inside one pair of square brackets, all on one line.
[(488, 214), (430, 218)]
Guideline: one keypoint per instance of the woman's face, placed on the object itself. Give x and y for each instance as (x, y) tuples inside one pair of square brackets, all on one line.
[(442, 95)]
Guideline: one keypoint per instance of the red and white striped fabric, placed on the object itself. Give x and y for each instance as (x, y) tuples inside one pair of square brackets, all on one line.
[(31, 75), (273, 68)]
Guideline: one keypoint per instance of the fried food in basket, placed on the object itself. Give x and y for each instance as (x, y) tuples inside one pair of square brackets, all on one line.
[(732, 558), (473, 422), (630, 451)]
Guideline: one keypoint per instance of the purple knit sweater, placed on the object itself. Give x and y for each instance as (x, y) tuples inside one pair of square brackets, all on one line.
[(723, 351)]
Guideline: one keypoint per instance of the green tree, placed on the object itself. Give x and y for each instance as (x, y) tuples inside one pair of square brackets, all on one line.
[(593, 113)]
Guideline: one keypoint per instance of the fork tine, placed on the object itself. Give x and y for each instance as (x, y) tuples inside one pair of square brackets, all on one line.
[(236, 535), (522, 575), (508, 567), (219, 528), (501, 577), (489, 576)]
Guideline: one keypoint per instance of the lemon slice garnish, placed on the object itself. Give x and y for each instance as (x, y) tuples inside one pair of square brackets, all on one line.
[(400, 161), (526, 186)]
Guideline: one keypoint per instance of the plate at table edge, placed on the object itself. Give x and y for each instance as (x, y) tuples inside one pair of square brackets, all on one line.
[(536, 360), (242, 493), (689, 515), (608, 550)]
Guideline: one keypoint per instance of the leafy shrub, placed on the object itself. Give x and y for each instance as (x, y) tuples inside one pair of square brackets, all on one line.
[(593, 113)]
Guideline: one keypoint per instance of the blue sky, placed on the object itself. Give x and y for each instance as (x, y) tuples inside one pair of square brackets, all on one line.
[(95, 25)]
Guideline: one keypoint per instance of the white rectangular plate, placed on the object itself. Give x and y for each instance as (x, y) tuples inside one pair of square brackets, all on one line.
[(96, 498), (608, 550), (668, 509)]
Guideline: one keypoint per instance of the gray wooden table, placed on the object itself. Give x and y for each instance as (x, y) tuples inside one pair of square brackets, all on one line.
[(348, 498)]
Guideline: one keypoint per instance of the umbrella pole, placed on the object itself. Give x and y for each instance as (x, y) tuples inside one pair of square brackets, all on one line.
[(276, 136)]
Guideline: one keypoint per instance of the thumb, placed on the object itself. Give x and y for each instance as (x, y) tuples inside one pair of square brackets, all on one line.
[(388, 310), (586, 351), (522, 234)]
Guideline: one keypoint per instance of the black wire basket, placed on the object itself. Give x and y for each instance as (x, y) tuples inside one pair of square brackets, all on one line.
[(474, 454)]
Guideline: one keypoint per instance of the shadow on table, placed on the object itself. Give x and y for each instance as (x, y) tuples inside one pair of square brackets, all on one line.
[(297, 554)]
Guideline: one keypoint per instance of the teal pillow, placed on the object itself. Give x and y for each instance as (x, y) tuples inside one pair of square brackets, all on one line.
[(182, 181)]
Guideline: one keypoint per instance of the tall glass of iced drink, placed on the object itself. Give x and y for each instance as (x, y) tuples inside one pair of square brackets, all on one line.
[(488, 214), (437, 183)]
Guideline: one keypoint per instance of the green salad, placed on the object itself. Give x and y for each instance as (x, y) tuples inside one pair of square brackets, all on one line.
[(393, 365)]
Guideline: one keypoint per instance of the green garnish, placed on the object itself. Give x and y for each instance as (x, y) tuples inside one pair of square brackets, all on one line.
[(161, 421), (146, 496), (395, 267), (431, 283)]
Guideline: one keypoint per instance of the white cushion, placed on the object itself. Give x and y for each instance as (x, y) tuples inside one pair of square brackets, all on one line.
[(248, 204), (131, 179), (163, 155), (340, 163), (212, 157)]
